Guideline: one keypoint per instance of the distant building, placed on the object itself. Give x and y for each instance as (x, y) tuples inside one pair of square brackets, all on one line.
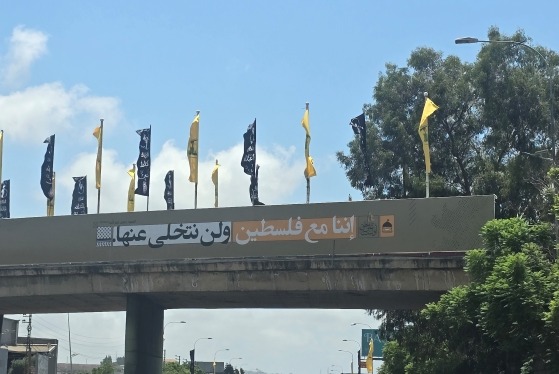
[(44, 352), (208, 367)]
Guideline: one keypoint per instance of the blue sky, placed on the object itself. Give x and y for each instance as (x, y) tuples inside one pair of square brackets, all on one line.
[(66, 64)]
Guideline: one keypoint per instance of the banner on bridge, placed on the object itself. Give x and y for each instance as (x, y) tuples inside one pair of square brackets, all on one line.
[(355, 227)]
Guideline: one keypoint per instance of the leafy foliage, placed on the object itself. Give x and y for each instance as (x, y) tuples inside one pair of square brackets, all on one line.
[(493, 124), (17, 367), (106, 366), (183, 368), (504, 321)]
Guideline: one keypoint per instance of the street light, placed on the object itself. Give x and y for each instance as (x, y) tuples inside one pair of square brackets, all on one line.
[(171, 322), (200, 339), (194, 349), (358, 349), (364, 324), (355, 341), (221, 350), (549, 68), (164, 327), (351, 353), (235, 358)]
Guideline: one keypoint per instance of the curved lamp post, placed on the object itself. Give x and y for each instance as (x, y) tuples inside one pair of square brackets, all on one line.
[(170, 323), (194, 349), (359, 323), (196, 341), (234, 358), (364, 324), (216, 352), (356, 342), (358, 349), (164, 327), (549, 68), (351, 353), (351, 340)]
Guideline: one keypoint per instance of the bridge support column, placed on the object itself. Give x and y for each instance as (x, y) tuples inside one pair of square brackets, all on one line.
[(144, 336)]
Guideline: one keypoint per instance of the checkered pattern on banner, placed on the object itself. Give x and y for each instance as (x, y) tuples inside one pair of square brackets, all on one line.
[(104, 236)]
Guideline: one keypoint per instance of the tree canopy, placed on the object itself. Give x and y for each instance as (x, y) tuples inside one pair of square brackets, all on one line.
[(106, 366), (493, 133), (505, 321), (493, 124)]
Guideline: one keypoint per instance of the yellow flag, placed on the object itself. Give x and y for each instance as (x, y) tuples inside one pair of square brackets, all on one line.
[(1, 149), (305, 122), (98, 133), (50, 202), (428, 109), (310, 171), (192, 149), (369, 361), (423, 130), (215, 180), (131, 190), (215, 175)]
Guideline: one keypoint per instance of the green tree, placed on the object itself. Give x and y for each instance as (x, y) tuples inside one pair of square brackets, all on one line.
[(17, 367), (106, 366), (492, 115), (176, 368), (229, 369), (504, 321)]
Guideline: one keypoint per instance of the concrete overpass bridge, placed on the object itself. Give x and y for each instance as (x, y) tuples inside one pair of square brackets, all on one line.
[(387, 254)]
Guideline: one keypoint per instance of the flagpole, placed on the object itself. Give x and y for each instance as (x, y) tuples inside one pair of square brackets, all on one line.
[(100, 158), (131, 189), (197, 158), (426, 95), (308, 177), (134, 183), (426, 184), (50, 201), (216, 204), (147, 201)]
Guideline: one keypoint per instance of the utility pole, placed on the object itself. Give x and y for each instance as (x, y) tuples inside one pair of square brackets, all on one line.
[(28, 365)]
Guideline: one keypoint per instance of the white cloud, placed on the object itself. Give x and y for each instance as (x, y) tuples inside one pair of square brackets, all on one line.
[(279, 177), (26, 46), (36, 112)]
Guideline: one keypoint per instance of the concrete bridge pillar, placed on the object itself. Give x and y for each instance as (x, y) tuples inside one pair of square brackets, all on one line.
[(144, 336)]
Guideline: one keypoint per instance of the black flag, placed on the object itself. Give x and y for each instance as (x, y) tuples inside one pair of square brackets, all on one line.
[(144, 162), (253, 189), (360, 129), (79, 196), (192, 361), (248, 161), (5, 199), (47, 171), (169, 194)]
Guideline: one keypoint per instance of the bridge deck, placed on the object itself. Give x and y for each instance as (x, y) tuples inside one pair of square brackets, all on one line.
[(342, 282)]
